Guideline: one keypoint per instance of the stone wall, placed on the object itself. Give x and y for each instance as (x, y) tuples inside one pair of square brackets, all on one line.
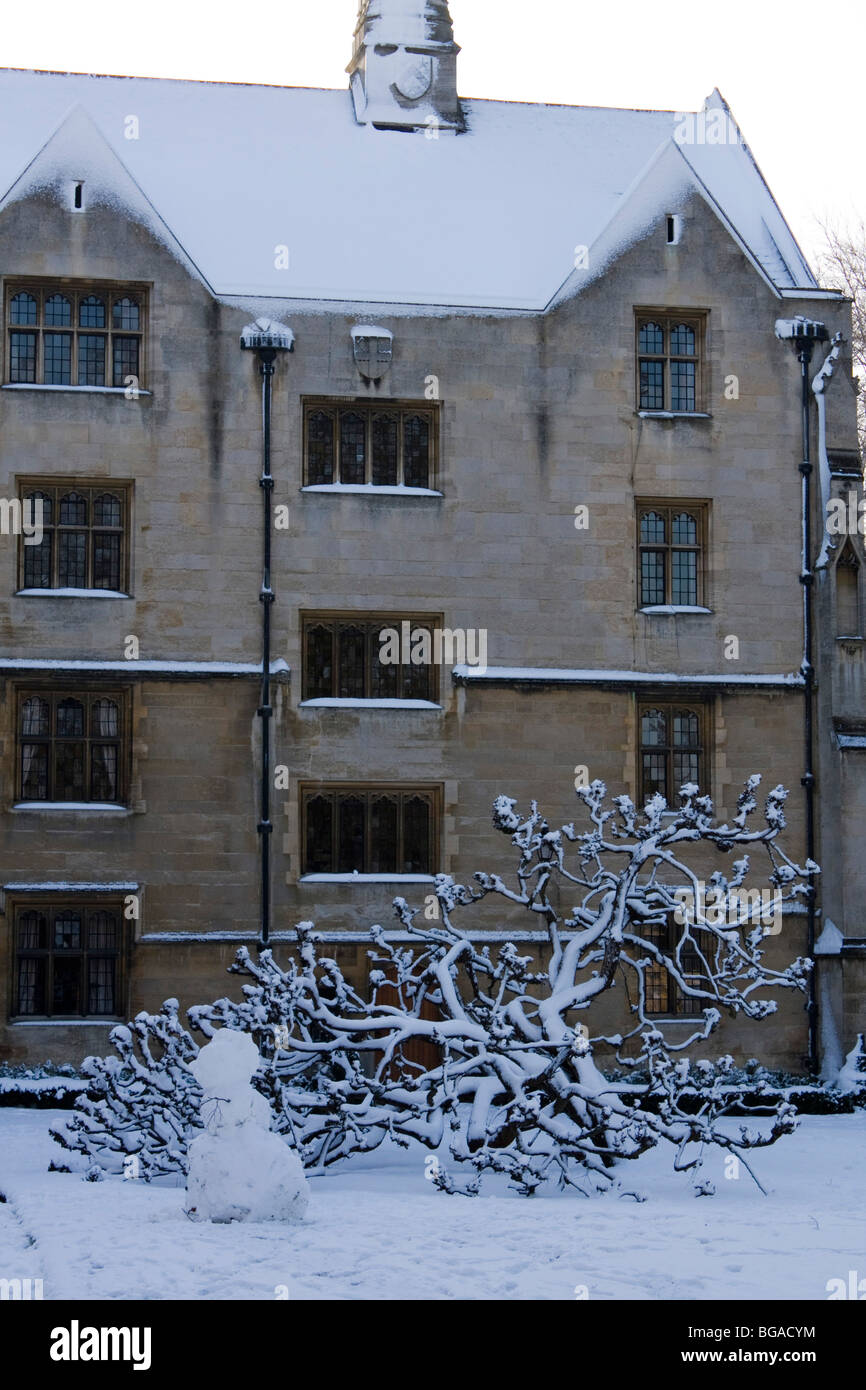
[(537, 417)]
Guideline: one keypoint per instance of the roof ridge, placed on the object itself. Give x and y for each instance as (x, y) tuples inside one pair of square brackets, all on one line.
[(281, 87)]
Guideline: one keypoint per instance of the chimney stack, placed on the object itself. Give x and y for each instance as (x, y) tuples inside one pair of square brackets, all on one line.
[(403, 73)]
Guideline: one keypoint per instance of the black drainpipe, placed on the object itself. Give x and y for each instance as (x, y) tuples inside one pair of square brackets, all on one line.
[(266, 598), (805, 333), (807, 579), (266, 338)]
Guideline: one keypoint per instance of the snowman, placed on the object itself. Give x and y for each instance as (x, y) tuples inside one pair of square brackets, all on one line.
[(238, 1169)]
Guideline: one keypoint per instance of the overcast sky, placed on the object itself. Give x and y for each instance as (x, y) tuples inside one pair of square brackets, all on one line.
[(791, 71)]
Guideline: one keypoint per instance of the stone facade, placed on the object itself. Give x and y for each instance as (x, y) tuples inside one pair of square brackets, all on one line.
[(537, 417)]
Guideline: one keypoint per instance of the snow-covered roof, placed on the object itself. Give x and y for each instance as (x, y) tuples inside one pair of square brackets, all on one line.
[(228, 174)]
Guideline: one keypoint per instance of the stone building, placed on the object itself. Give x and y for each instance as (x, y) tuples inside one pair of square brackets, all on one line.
[(535, 402)]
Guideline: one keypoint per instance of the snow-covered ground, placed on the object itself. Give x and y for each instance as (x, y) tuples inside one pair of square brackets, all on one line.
[(377, 1230)]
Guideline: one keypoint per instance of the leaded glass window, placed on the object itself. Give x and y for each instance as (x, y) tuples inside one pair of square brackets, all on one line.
[(85, 537), (52, 341), (671, 554), (369, 445), (67, 959), (669, 363), (70, 747), (375, 830), (672, 751), (355, 658)]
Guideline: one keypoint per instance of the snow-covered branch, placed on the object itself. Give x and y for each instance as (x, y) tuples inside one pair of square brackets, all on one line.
[(511, 1084)]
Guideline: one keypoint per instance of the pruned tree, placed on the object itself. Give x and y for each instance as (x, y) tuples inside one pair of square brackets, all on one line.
[(516, 1089), (141, 1106), (842, 265)]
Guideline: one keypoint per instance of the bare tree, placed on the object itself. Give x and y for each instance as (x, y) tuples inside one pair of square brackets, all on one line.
[(843, 266)]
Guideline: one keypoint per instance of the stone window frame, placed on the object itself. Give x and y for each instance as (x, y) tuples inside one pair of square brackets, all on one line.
[(52, 905), (307, 790), (87, 692), (667, 319), (674, 1004), (663, 997), (670, 707), (76, 290), (669, 506), (367, 409), (372, 624), (91, 488)]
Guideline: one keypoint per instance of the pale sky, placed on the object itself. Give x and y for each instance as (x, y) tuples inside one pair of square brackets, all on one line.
[(791, 71)]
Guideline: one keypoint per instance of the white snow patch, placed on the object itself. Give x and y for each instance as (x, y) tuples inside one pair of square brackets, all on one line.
[(175, 668), (830, 941), (86, 390), (112, 806), (70, 593), (336, 703), (820, 381), (674, 415), (670, 608), (547, 674), (374, 489), (69, 885), (366, 330), (367, 878), (378, 1231), (64, 1023)]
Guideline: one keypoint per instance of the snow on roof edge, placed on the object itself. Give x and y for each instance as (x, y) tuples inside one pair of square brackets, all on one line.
[(748, 151), (159, 227)]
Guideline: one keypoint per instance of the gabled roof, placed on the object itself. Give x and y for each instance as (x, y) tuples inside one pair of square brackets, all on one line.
[(490, 219)]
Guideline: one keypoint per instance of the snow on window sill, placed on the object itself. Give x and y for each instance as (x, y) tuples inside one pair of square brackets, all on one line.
[(70, 593), (674, 415), (692, 1019), (372, 490), (65, 1023), (670, 608), (854, 637), (335, 703), (367, 878), (103, 807), (64, 886), (87, 390)]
